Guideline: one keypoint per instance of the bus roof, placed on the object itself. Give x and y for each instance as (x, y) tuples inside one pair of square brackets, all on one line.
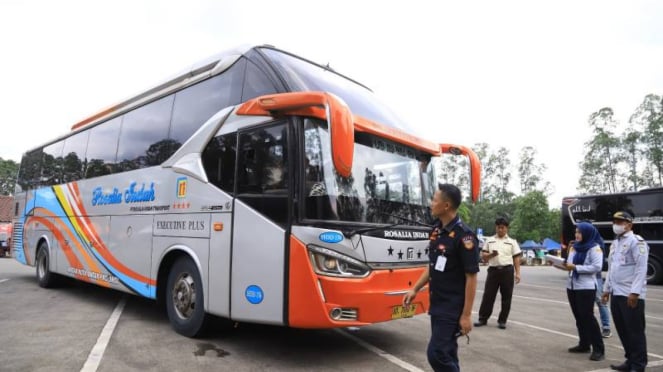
[(200, 70)]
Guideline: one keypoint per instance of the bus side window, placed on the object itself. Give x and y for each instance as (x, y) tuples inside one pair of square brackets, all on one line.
[(30, 170), (73, 155), (51, 170), (102, 148), (197, 103), (144, 136), (219, 161), (256, 83)]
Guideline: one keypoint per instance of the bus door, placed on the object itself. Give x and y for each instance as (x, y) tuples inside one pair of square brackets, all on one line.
[(261, 210)]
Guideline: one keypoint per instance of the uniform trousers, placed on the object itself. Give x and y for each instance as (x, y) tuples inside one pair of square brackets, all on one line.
[(630, 324), (582, 307), (498, 278), (443, 346)]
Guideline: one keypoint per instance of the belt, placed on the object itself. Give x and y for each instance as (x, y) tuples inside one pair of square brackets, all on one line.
[(500, 267)]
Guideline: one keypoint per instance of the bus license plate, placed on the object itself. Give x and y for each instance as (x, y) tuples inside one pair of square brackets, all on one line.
[(399, 311)]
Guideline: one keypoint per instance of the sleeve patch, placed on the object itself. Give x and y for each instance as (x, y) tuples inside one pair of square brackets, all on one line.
[(468, 242)]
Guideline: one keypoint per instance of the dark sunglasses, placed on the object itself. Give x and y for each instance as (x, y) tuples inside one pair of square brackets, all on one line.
[(459, 334)]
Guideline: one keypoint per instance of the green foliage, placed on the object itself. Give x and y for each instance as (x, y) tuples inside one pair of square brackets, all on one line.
[(629, 160), (8, 173), (464, 213), (532, 217)]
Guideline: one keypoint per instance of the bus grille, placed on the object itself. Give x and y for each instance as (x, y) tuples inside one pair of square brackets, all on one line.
[(17, 236)]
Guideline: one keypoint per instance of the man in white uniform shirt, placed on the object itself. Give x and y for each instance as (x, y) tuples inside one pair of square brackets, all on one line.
[(626, 288), (503, 256)]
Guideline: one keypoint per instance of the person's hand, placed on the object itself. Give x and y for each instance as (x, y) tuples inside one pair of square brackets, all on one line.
[(569, 266), (517, 278), (465, 324), (408, 298), (605, 297), (632, 300)]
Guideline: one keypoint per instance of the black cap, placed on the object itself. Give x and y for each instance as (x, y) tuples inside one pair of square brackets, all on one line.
[(501, 221), (623, 215)]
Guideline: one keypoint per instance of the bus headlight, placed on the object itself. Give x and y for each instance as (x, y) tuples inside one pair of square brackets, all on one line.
[(331, 263)]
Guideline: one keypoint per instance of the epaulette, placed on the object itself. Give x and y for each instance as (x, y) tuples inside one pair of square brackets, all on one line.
[(640, 238)]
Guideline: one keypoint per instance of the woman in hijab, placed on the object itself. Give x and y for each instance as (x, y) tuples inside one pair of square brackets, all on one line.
[(585, 259)]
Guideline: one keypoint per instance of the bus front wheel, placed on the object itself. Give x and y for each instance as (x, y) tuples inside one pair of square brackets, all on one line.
[(185, 298), (45, 277)]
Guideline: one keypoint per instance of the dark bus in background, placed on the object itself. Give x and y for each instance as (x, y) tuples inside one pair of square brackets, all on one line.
[(646, 207)]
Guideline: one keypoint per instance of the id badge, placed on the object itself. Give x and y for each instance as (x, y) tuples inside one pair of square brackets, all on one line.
[(440, 263)]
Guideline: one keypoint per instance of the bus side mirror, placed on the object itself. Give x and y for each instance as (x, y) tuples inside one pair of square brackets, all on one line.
[(475, 166), (321, 105)]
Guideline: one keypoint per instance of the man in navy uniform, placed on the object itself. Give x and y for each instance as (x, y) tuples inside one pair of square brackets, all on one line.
[(452, 279), (626, 282)]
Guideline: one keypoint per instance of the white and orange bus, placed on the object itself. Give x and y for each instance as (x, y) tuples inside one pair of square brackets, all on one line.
[(256, 186)]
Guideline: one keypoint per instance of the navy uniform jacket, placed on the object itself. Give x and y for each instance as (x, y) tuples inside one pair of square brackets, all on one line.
[(459, 246)]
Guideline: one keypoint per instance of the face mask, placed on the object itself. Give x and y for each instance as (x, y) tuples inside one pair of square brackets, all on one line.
[(618, 229)]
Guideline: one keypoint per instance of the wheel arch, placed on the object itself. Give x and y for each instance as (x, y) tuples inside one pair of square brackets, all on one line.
[(656, 264), (167, 261)]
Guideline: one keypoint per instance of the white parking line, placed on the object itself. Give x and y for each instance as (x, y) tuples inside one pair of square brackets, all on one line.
[(3, 280), (399, 362), (567, 335), (97, 352)]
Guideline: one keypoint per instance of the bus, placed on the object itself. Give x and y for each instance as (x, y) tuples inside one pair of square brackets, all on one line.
[(245, 188), (646, 207)]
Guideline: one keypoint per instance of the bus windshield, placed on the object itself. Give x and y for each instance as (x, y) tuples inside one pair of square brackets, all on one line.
[(301, 75), (390, 182)]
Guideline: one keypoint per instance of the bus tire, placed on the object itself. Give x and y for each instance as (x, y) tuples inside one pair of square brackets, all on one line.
[(45, 277), (654, 271), (185, 300)]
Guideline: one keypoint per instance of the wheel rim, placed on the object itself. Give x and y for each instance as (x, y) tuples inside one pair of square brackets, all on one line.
[(184, 296)]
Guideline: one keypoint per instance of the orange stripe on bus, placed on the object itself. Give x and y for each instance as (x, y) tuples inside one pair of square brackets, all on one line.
[(71, 257), (73, 239), (103, 250)]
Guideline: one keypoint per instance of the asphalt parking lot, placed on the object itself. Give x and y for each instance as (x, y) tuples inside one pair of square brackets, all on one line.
[(80, 327)]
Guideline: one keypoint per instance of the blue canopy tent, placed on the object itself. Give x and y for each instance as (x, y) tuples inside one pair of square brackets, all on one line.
[(537, 252), (550, 244), (530, 244)]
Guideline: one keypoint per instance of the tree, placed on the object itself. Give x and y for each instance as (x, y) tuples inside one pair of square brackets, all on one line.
[(496, 174), (531, 218), (599, 167), (8, 173), (529, 172), (652, 111)]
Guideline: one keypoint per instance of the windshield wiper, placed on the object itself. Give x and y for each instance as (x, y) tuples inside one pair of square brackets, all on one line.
[(351, 233), (405, 219)]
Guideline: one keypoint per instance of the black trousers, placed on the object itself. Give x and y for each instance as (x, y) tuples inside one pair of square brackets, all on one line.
[(630, 324), (442, 349), (502, 279), (582, 306)]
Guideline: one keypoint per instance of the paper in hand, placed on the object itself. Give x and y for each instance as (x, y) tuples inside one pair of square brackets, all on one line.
[(554, 259)]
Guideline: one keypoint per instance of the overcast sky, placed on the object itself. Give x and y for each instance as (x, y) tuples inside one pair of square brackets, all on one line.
[(509, 73)]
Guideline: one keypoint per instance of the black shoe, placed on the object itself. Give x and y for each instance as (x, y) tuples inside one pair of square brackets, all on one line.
[(501, 325), (621, 367), (597, 356), (479, 324), (579, 349)]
